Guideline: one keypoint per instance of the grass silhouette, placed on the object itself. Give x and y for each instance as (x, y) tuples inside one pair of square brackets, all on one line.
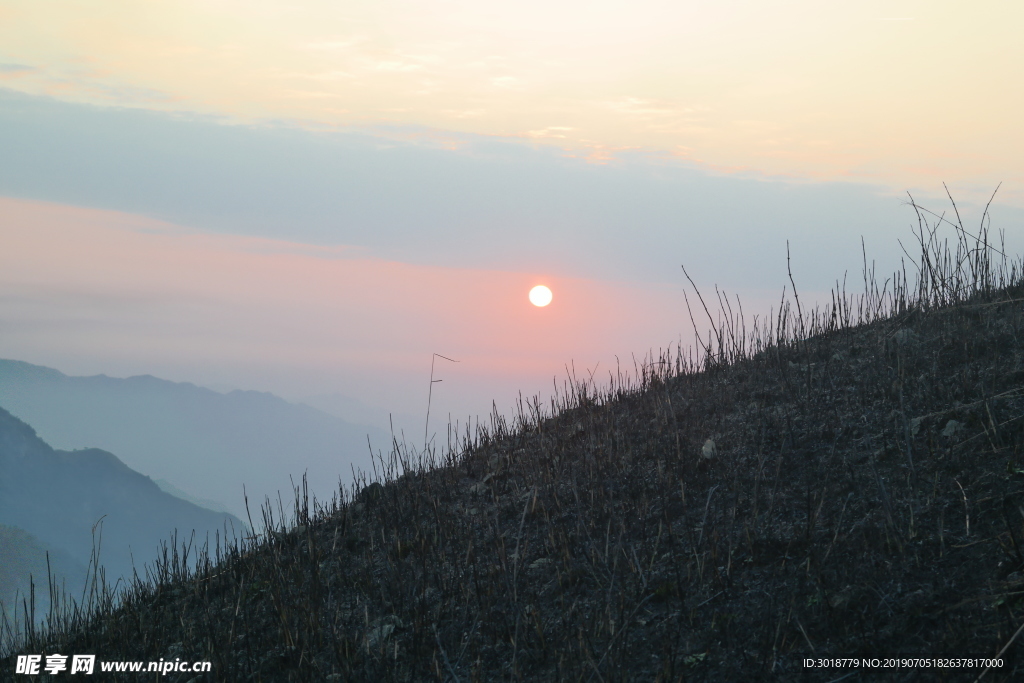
[(844, 481)]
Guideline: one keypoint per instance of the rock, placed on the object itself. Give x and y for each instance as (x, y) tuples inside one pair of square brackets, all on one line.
[(375, 636), (841, 599), (904, 336), (913, 602), (915, 425), (708, 451), (953, 429), (383, 630)]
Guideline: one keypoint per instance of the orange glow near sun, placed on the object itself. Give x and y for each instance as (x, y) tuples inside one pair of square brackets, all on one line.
[(540, 296)]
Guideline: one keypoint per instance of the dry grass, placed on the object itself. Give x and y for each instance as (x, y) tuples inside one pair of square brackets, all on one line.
[(843, 482)]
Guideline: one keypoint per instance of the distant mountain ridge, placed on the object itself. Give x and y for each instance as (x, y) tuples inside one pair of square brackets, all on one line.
[(204, 443), (354, 410), (57, 499), (168, 487)]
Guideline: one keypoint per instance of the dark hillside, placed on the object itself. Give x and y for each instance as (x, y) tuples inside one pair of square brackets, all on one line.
[(840, 490)]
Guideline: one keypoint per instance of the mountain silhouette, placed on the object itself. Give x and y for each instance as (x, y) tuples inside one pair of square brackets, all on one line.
[(75, 502), (202, 443)]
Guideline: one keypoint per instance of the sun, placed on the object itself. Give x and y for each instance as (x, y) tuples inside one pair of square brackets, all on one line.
[(540, 296)]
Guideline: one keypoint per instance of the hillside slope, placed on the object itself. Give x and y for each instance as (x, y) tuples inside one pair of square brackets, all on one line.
[(856, 494), (24, 561)]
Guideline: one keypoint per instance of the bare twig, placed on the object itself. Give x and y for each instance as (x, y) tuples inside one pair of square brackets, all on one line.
[(1000, 654), (430, 393)]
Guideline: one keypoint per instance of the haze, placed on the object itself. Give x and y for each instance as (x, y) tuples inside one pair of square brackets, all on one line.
[(313, 198)]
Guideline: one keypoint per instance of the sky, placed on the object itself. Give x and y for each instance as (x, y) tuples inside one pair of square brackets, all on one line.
[(315, 197)]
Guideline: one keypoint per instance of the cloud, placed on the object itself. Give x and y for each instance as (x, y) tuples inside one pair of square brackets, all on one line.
[(99, 285), (464, 113), (397, 65), (431, 197), (83, 81), (505, 82), (336, 45), (16, 68), (556, 132), (644, 107)]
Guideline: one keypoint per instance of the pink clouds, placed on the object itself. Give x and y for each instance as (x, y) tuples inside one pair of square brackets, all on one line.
[(101, 291)]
